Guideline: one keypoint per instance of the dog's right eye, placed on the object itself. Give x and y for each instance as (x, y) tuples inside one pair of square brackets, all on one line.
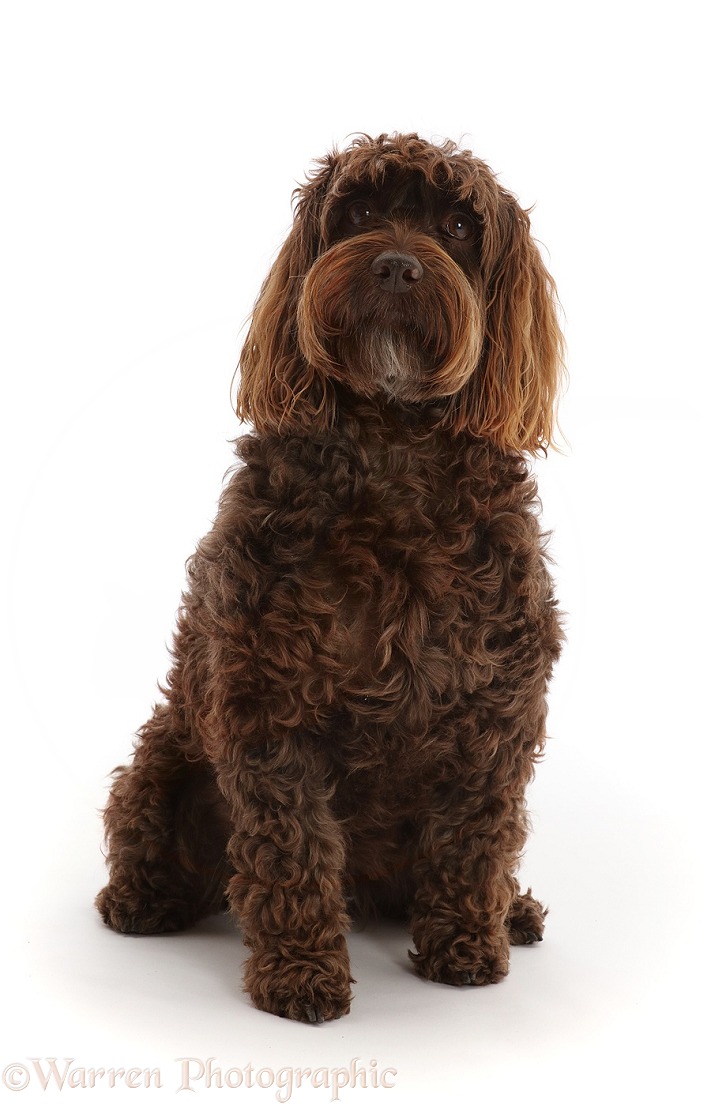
[(359, 212)]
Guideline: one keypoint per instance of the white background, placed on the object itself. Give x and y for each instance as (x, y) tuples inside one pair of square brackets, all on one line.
[(149, 152)]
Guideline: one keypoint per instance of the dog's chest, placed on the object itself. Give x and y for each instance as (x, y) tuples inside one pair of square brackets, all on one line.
[(374, 573), (384, 591)]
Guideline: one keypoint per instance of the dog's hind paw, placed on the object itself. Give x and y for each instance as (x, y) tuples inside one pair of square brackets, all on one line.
[(127, 912), (526, 921)]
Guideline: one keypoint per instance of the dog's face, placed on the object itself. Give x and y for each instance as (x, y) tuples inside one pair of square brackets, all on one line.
[(394, 303), (410, 278)]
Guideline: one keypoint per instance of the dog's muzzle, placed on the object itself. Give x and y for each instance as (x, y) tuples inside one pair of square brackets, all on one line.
[(396, 272)]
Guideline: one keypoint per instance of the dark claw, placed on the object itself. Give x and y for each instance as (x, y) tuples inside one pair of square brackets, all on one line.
[(315, 1016), (531, 938)]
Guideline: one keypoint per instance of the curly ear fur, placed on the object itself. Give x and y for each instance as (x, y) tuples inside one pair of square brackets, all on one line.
[(279, 390), (511, 398)]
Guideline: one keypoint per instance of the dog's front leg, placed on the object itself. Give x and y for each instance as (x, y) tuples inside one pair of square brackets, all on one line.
[(288, 857), (466, 886)]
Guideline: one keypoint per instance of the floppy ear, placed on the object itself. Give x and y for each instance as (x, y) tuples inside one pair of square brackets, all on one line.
[(279, 391), (511, 397)]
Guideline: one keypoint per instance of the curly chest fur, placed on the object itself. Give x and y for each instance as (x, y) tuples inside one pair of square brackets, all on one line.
[(379, 571)]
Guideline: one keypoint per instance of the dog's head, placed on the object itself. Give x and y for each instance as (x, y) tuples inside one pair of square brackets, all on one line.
[(409, 275)]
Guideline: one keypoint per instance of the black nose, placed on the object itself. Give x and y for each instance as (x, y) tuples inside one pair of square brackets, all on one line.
[(396, 272)]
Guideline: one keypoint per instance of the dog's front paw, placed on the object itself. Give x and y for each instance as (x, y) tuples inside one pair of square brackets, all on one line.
[(467, 960), (298, 983)]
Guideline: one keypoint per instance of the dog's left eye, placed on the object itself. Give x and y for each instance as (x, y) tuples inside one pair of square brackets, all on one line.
[(458, 226), (359, 212)]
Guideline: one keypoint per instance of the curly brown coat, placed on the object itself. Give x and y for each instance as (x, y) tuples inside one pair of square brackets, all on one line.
[(357, 697)]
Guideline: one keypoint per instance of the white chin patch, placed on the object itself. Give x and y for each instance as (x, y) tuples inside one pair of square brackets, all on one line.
[(395, 369)]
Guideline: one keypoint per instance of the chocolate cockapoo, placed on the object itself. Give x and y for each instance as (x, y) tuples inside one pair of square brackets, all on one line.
[(357, 695)]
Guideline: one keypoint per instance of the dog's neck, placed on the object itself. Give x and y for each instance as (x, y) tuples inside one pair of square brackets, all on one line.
[(387, 412)]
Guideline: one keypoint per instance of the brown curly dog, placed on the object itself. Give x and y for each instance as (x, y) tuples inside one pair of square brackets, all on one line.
[(357, 698)]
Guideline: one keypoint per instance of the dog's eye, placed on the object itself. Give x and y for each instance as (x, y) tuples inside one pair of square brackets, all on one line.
[(458, 226), (359, 212)]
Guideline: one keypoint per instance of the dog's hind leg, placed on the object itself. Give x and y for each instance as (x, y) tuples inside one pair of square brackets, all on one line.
[(166, 832)]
